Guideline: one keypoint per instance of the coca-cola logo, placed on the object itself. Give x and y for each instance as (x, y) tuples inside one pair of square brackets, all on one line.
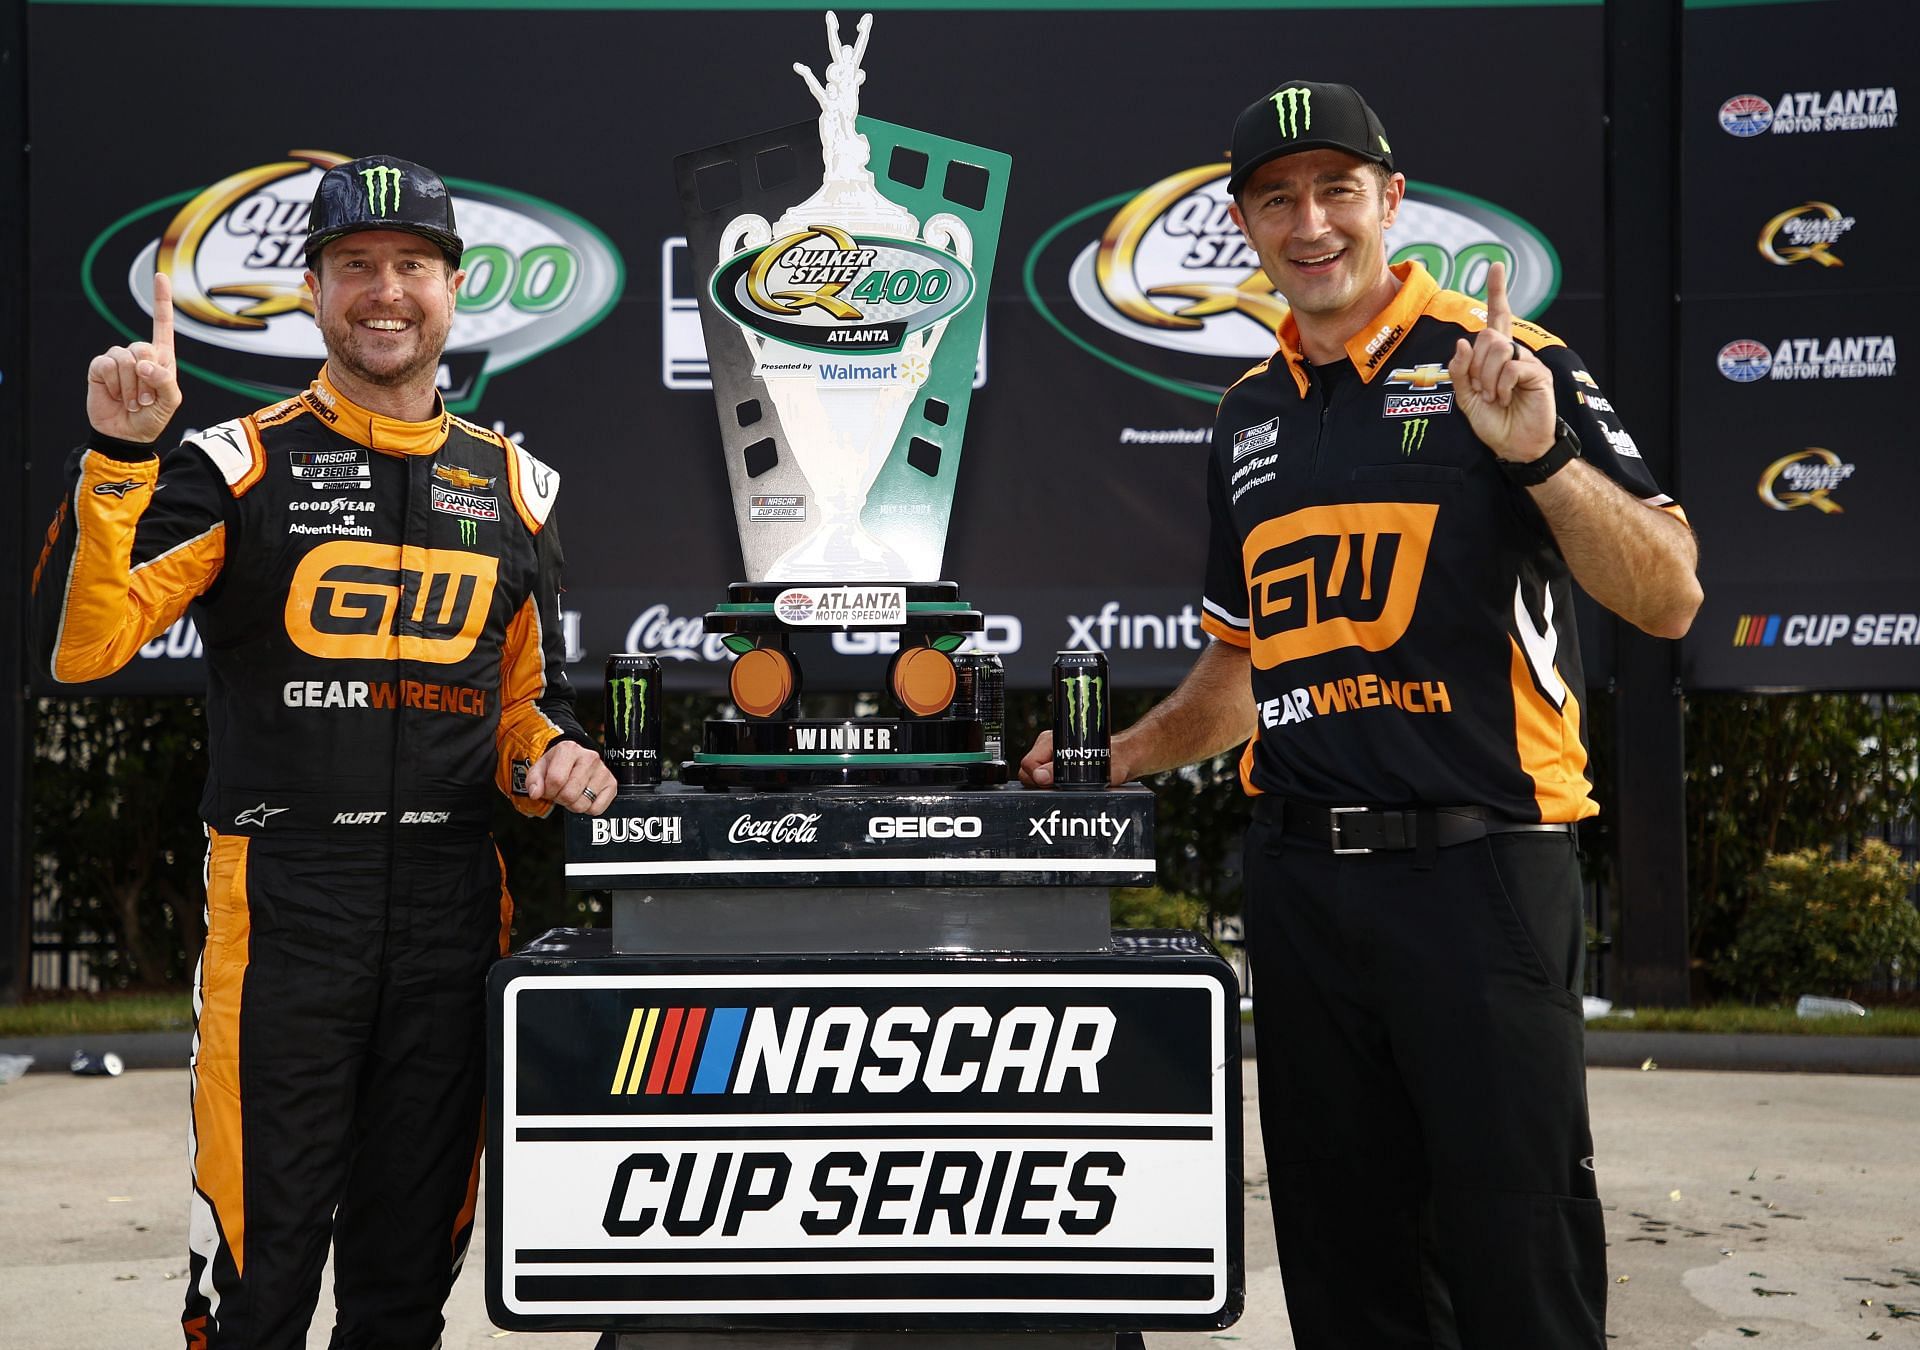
[(796, 827), (673, 637)]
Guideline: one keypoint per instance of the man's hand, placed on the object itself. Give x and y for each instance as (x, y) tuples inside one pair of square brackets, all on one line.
[(574, 776), (1506, 393), (133, 392), (1036, 769)]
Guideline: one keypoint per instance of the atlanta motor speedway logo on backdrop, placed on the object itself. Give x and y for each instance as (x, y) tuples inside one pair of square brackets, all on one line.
[(537, 276), (1165, 288), (1811, 110)]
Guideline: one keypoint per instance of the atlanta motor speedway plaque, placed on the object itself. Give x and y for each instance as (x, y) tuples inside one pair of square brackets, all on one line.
[(865, 1141)]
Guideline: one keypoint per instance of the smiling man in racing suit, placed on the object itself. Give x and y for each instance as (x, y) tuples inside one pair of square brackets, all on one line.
[(376, 583)]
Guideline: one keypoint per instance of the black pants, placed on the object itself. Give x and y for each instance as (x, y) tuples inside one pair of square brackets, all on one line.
[(338, 1073), (1423, 1094)]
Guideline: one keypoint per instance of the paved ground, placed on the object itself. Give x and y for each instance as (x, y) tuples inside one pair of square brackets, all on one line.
[(1764, 1209)]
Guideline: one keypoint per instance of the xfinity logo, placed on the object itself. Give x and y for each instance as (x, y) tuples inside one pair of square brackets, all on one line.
[(636, 830), (795, 827), (923, 827), (1056, 825), (1110, 629)]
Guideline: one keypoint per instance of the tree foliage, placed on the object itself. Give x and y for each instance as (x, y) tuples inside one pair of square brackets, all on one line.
[(1779, 773), (1825, 925)]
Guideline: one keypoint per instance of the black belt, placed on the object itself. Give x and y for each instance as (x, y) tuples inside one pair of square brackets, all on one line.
[(1364, 829)]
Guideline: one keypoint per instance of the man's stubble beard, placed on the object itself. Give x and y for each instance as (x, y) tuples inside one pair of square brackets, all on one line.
[(342, 338)]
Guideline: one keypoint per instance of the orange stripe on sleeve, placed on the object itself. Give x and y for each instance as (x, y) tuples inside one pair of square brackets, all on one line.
[(1547, 740)]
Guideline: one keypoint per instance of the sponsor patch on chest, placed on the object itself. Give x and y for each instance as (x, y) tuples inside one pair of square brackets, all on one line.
[(1249, 440), (332, 470), (1418, 405), (466, 505)]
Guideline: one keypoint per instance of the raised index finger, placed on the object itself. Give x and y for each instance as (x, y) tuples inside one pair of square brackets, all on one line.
[(163, 317), (1499, 312)]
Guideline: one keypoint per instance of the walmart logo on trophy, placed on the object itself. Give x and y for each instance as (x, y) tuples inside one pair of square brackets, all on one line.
[(848, 261)]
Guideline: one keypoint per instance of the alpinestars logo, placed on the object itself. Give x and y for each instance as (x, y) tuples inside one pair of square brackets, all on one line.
[(382, 180), (627, 705), (1413, 434), (1294, 108), (120, 489), (1085, 696)]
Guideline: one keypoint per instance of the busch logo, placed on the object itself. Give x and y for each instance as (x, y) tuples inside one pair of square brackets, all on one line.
[(1294, 109), (636, 830), (381, 179), (795, 827)]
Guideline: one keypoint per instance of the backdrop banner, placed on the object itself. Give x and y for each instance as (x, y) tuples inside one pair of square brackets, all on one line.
[(1796, 460), (1119, 310)]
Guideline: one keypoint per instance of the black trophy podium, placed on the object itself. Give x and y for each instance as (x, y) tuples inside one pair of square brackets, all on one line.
[(864, 1068)]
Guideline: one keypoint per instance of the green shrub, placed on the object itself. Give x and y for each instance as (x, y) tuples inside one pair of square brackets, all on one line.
[(1820, 925), (1152, 907)]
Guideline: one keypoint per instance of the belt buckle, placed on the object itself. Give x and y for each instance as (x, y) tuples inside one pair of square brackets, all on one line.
[(1333, 828)]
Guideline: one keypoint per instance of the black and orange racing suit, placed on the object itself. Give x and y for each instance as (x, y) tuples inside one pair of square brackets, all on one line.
[(1413, 897), (379, 604)]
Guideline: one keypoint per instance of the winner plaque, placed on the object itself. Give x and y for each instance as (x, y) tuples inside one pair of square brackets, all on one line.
[(844, 264)]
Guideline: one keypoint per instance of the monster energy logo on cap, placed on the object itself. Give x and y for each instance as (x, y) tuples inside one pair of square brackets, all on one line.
[(1413, 435), (1294, 107), (382, 180)]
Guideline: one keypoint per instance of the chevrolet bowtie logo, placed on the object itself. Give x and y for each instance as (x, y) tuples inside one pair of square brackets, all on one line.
[(1426, 376), (257, 815), (464, 479)]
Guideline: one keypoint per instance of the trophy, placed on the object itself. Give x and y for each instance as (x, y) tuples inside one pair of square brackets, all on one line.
[(845, 262)]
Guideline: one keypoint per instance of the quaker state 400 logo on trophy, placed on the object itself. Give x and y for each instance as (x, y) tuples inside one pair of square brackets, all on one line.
[(845, 262)]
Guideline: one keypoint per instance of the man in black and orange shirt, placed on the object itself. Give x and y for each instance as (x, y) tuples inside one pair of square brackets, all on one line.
[(377, 587), (1400, 499)]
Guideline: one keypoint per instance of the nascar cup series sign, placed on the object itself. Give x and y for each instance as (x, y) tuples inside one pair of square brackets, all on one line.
[(973, 1144), (537, 276)]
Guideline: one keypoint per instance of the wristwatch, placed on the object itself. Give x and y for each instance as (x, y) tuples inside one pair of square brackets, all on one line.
[(1566, 446)]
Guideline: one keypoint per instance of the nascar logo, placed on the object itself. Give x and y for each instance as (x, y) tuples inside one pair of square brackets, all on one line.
[(676, 1051)]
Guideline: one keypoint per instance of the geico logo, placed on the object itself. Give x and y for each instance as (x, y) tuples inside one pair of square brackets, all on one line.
[(923, 827), (359, 817), (452, 698), (1327, 577), (1000, 635), (1025, 1049), (946, 1192), (636, 830), (1352, 695), (354, 601)]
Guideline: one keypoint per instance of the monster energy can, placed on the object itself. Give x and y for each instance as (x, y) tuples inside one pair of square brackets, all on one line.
[(980, 692), (1082, 735), (633, 719)]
